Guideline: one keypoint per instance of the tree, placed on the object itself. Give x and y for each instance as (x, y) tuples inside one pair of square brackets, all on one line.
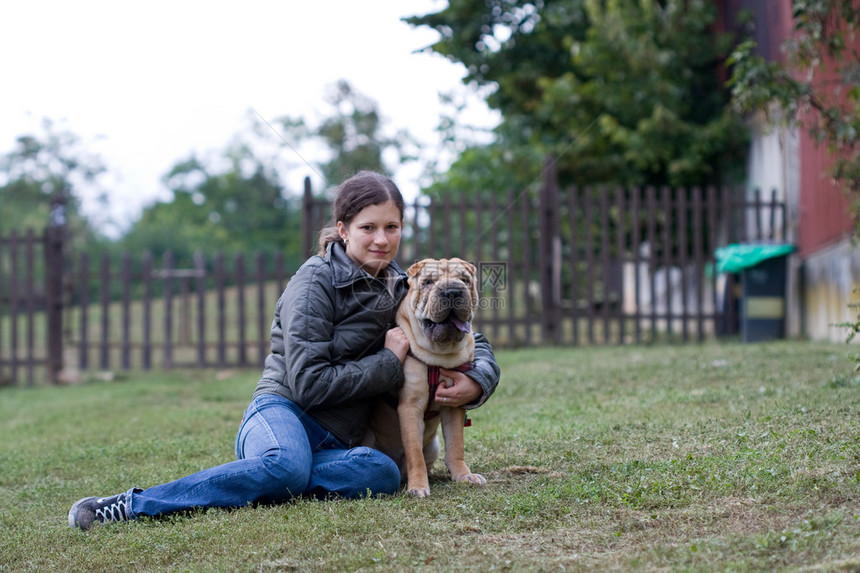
[(41, 166), (619, 91), (817, 86), (238, 201), (351, 132), (238, 209)]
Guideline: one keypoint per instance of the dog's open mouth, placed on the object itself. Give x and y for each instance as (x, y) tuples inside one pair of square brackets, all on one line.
[(462, 325), (452, 329)]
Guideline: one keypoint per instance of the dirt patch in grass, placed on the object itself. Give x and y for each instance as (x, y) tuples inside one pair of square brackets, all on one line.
[(518, 473)]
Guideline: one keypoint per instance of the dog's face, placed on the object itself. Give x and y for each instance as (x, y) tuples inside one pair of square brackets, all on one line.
[(443, 294)]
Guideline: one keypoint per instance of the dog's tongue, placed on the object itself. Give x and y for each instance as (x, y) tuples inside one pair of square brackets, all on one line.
[(462, 326)]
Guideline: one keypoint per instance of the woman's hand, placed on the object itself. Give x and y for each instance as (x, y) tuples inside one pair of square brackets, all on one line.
[(457, 389), (396, 342)]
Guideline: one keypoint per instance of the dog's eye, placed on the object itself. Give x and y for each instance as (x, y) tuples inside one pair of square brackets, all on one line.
[(466, 279)]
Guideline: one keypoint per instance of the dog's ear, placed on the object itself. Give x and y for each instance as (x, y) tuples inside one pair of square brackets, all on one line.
[(416, 268)]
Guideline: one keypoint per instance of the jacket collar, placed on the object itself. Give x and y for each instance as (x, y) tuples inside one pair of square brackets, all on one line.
[(345, 271)]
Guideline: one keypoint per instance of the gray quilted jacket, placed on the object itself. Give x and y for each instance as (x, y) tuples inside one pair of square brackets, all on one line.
[(327, 340)]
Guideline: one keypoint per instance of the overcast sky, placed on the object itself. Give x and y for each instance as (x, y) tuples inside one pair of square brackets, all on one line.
[(144, 84)]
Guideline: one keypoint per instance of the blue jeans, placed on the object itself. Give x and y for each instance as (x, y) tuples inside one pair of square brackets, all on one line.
[(280, 454)]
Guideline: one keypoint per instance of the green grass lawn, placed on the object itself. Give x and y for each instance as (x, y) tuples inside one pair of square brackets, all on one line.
[(683, 458)]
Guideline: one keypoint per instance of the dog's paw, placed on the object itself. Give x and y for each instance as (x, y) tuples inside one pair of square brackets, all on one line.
[(476, 479), (418, 491)]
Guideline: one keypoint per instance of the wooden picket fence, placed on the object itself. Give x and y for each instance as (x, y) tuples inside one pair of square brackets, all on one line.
[(571, 266)]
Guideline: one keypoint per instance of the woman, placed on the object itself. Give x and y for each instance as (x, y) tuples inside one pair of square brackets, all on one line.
[(334, 350)]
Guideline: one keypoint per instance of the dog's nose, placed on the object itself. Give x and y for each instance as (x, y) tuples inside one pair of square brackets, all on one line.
[(451, 293)]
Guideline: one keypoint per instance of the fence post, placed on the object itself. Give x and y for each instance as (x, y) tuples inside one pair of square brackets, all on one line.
[(167, 273), (54, 271), (550, 254), (307, 219)]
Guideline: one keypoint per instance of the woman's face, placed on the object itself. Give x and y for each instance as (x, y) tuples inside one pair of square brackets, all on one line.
[(373, 235)]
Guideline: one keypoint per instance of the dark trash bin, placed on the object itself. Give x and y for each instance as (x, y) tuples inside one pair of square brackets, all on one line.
[(763, 271)]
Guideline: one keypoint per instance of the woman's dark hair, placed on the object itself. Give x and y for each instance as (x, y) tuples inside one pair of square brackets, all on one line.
[(363, 189)]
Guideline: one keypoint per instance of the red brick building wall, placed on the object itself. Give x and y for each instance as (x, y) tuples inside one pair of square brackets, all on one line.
[(824, 208)]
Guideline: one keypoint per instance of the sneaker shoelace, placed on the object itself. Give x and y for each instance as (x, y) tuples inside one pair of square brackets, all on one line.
[(115, 511)]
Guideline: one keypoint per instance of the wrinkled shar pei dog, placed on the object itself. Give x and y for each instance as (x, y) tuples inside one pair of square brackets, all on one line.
[(435, 315)]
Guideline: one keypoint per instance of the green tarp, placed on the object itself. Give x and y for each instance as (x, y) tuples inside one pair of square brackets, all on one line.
[(735, 258)]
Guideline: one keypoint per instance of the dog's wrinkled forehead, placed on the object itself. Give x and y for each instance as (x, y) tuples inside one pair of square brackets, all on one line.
[(443, 269), (434, 270)]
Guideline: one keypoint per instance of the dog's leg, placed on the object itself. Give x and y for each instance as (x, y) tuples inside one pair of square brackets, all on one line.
[(452, 431), (413, 401)]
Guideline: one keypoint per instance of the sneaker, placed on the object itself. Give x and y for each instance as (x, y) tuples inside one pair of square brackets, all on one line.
[(89, 510)]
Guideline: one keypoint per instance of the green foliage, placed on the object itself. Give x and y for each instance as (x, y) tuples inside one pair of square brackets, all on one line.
[(42, 166), (820, 74), (619, 91), (238, 202), (232, 202), (352, 133), (852, 328), (489, 168), (240, 208)]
